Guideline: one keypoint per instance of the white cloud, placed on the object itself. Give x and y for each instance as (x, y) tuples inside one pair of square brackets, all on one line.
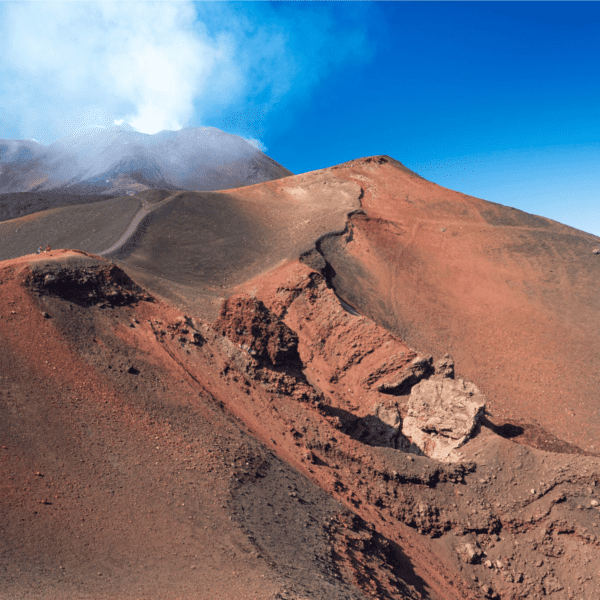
[(157, 65), (257, 144), (78, 61)]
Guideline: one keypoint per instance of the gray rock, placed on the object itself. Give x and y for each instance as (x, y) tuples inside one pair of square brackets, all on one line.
[(444, 367), (441, 416), (470, 553)]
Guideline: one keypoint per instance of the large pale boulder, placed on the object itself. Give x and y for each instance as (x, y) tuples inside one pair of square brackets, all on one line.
[(441, 416)]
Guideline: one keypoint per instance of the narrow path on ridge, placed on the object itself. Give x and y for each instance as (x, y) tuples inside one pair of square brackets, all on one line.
[(146, 209)]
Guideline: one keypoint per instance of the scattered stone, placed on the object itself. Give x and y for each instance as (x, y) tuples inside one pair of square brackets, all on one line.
[(594, 502), (470, 553), (596, 251), (552, 585), (45, 315)]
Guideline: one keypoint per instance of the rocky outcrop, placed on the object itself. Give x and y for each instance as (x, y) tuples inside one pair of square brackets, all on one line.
[(87, 285), (248, 323), (470, 552), (421, 367), (441, 415)]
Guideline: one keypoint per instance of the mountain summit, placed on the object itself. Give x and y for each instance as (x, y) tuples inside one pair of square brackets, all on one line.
[(121, 161)]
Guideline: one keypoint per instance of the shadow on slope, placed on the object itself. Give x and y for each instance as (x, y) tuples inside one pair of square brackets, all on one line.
[(20, 204), (197, 238), (89, 227)]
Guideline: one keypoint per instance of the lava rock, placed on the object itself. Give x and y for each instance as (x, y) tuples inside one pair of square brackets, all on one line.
[(470, 553), (420, 368), (441, 415), (247, 322), (444, 367)]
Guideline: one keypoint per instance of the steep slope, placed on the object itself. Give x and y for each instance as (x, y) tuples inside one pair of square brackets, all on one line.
[(252, 399), (510, 295)]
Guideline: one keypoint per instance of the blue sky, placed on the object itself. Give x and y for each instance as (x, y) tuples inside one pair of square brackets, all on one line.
[(496, 100)]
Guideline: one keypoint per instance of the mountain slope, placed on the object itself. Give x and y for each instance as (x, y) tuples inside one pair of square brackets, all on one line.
[(236, 402)]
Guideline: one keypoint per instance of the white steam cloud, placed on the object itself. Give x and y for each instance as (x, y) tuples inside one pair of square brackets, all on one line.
[(256, 143), (65, 66)]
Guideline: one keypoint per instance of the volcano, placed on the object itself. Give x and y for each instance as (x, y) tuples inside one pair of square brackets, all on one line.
[(121, 161), (345, 384)]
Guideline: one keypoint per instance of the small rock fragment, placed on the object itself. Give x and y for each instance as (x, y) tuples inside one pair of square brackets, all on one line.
[(470, 553)]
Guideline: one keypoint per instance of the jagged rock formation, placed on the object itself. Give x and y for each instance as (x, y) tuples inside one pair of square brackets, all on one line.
[(420, 367), (442, 414), (86, 283), (247, 321)]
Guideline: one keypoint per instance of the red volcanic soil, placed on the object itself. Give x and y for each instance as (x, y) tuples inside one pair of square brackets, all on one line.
[(223, 415), (511, 296)]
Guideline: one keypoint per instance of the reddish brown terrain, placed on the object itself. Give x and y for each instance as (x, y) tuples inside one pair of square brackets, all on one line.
[(346, 384)]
